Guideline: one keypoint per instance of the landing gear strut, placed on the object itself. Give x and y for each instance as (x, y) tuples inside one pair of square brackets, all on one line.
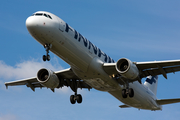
[(47, 56)]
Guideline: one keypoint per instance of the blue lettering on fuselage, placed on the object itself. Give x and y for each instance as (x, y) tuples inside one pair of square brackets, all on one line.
[(94, 47), (89, 45), (82, 38), (67, 28), (104, 54), (76, 34)]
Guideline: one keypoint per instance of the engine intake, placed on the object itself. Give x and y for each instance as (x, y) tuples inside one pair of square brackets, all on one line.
[(48, 78), (127, 69)]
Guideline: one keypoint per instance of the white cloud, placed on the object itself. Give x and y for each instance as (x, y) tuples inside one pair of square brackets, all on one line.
[(64, 90), (25, 69), (8, 117), (68, 91)]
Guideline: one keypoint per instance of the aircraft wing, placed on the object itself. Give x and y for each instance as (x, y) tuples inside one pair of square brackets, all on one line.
[(148, 68), (66, 77)]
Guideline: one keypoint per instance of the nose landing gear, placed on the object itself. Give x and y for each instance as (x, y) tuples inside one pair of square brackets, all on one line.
[(47, 56)]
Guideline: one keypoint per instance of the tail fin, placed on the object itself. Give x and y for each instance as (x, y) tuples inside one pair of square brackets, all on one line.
[(151, 82)]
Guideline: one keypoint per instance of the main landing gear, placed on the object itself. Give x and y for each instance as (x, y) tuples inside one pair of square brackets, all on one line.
[(47, 56), (76, 97), (127, 91)]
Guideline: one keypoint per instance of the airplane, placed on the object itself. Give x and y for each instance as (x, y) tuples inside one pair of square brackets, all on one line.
[(92, 68)]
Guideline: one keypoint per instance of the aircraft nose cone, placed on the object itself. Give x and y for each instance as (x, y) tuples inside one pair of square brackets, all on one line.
[(31, 23)]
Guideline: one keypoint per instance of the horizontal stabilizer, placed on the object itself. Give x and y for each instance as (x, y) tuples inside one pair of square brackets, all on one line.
[(124, 106), (167, 101)]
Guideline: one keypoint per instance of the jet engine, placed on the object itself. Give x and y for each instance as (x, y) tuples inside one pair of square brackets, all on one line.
[(48, 78), (127, 69)]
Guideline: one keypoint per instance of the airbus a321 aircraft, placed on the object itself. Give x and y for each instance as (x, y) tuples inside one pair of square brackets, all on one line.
[(92, 68)]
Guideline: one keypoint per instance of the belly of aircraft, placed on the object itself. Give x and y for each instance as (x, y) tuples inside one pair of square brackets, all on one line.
[(99, 84)]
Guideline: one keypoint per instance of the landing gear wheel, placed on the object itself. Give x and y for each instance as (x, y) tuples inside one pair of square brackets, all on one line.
[(72, 99), (131, 93), (48, 57), (44, 57), (124, 94), (79, 98)]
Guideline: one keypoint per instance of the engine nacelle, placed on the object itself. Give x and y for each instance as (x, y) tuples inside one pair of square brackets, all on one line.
[(127, 69), (48, 78)]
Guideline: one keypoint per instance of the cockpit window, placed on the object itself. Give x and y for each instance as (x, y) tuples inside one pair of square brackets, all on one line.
[(45, 15), (42, 14), (49, 16), (38, 14)]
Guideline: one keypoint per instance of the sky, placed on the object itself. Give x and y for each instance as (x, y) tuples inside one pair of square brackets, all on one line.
[(138, 30)]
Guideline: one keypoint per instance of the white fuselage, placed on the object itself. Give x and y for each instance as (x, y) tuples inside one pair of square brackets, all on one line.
[(85, 58)]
